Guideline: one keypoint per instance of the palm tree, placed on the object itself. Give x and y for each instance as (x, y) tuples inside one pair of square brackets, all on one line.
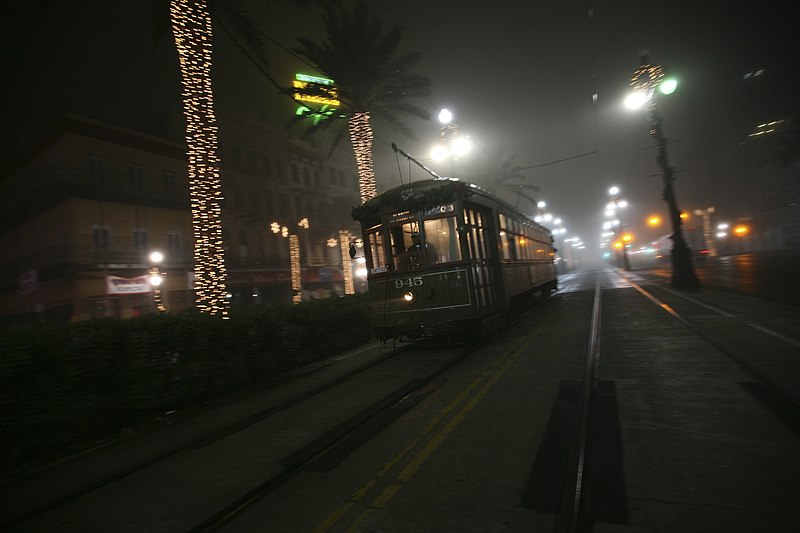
[(191, 25), (192, 29), (370, 80)]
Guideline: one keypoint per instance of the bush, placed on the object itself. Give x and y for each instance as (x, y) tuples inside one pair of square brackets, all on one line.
[(65, 386)]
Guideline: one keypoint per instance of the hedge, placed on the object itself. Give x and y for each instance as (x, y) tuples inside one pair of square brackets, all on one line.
[(64, 387)]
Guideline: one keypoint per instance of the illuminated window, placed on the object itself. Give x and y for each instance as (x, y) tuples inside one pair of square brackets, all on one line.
[(403, 248), (441, 241), (377, 253)]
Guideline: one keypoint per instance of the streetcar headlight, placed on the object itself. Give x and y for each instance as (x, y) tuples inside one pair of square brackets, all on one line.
[(409, 296)]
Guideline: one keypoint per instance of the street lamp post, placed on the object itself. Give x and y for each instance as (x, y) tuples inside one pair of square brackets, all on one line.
[(614, 207), (156, 278), (644, 82), (295, 267), (453, 143), (708, 232)]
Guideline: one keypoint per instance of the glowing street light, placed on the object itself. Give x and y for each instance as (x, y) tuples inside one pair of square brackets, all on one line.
[(156, 278), (613, 207), (644, 83), (453, 144), (741, 230)]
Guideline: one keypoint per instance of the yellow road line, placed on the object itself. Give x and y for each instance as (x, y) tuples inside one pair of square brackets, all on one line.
[(390, 491)]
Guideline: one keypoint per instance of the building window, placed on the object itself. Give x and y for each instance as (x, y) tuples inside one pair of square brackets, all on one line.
[(101, 243), (266, 166), (140, 241), (97, 171), (295, 173), (251, 160), (174, 244), (169, 180), (306, 177), (136, 178), (317, 180)]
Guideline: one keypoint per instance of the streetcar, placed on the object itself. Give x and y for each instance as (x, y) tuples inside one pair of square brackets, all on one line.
[(447, 257)]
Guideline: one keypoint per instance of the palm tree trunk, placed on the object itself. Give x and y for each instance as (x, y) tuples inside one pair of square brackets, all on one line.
[(361, 137), (191, 25)]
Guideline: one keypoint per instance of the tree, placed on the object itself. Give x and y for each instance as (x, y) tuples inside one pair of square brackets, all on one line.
[(192, 28), (371, 80), (191, 25)]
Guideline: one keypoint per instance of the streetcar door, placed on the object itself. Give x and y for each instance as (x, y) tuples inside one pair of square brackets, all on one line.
[(481, 250)]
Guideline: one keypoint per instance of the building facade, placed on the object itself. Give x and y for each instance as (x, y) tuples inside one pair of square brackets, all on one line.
[(85, 207)]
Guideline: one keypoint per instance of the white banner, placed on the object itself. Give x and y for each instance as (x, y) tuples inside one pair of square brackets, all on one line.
[(138, 285)]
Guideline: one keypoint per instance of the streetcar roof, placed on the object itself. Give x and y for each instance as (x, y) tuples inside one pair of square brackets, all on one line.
[(425, 194)]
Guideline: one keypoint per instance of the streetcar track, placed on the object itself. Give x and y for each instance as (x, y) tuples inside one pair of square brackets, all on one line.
[(315, 453), (750, 366), (574, 514), (198, 443)]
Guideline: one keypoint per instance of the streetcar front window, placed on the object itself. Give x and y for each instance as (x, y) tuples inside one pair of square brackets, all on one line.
[(404, 244), (441, 240)]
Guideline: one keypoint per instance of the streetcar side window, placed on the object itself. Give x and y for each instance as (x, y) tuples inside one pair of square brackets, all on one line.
[(508, 240), (377, 253), (441, 240), (476, 237)]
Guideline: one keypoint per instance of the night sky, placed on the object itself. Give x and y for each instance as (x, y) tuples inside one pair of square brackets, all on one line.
[(518, 75)]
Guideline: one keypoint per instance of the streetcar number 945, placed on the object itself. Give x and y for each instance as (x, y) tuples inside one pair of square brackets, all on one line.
[(416, 281)]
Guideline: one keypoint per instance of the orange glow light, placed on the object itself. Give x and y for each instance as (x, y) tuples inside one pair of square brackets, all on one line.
[(741, 230)]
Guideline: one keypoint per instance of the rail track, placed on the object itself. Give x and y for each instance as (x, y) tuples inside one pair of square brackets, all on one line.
[(239, 479), (778, 373)]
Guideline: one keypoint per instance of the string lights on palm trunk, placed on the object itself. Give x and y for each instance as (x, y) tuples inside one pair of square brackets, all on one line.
[(361, 137), (191, 25)]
